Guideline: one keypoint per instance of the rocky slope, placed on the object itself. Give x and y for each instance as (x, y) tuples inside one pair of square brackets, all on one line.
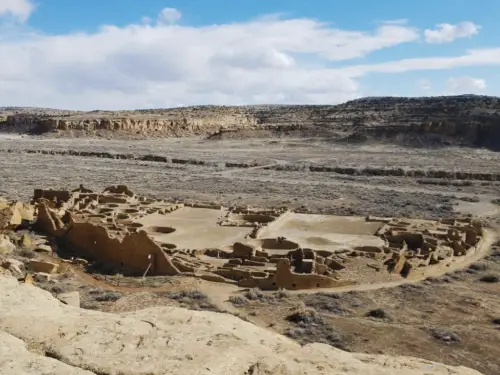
[(469, 120), (39, 334)]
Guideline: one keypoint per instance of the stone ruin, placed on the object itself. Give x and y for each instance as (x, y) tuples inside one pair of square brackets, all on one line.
[(116, 228)]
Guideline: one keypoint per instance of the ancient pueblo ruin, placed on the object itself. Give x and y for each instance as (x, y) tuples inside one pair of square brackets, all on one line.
[(245, 246), (252, 240)]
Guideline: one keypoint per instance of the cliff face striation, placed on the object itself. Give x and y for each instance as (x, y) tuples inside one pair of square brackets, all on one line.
[(464, 120), (176, 122)]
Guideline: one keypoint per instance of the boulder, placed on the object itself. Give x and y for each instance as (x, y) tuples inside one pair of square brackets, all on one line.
[(6, 247), (12, 215), (71, 298), (25, 241), (25, 211), (41, 266), (43, 249), (9, 218)]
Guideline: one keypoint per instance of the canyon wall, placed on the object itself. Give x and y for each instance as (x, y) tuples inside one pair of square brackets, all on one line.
[(170, 123), (465, 120)]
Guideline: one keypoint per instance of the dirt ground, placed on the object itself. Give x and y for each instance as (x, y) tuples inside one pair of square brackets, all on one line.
[(453, 318), (288, 184)]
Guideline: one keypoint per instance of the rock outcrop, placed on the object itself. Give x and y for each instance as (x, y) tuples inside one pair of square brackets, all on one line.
[(470, 120), (165, 340)]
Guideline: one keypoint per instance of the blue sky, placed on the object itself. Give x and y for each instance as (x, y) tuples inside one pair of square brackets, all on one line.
[(128, 53)]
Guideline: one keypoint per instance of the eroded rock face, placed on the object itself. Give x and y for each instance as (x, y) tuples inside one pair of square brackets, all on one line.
[(174, 122), (467, 119), (168, 340)]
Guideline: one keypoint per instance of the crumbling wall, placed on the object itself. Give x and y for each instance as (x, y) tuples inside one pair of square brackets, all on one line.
[(59, 195), (132, 253), (119, 189), (284, 278), (49, 222)]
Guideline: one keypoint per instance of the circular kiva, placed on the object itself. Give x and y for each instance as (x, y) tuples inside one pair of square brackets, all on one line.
[(162, 230), (135, 225), (169, 246), (252, 218)]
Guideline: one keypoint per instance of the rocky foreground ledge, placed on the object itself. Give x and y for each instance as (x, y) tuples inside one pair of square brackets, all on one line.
[(41, 335)]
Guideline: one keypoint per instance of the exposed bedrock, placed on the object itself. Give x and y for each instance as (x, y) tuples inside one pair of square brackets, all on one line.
[(166, 340), (466, 120)]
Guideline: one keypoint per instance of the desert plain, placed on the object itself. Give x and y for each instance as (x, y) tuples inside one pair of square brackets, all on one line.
[(344, 236)]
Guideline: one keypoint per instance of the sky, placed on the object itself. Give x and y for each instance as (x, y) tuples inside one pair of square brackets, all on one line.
[(130, 54)]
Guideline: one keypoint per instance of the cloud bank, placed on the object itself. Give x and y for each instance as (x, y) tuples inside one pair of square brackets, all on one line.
[(164, 64)]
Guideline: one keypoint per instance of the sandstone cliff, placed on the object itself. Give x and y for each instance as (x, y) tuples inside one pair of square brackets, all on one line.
[(468, 120), (39, 334)]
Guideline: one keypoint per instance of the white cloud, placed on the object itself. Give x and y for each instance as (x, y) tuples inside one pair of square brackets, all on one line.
[(465, 85), (474, 57), (264, 60), (446, 32), (169, 16), (20, 9)]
